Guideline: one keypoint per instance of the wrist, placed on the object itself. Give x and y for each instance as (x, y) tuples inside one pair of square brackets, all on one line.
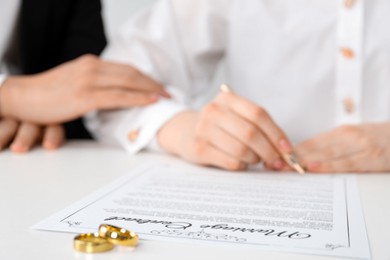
[(173, 133)]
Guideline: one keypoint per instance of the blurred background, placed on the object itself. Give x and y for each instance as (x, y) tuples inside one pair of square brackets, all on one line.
[(116, 12)]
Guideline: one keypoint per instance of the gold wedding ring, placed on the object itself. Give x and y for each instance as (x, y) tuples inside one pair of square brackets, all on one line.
[(118, 236), (91, 243)]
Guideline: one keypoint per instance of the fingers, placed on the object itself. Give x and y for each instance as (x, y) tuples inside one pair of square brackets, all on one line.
[(26, 137), (208, 155), (335, 144), (8, 129), (254, 127), (258, 117), (346, 149), (229, 145), (53, 137), (116, 98), (187, 135), (251, 137), (357, 163), (313, 151), (236, 137), (125, 76)]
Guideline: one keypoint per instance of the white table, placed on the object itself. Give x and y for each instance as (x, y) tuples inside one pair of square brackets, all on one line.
[(37, 184)]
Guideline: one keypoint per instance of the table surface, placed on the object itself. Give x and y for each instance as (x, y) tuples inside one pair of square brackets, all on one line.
[(35, 185)]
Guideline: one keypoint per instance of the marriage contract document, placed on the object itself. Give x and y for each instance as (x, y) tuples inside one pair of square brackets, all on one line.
[(312, 214)]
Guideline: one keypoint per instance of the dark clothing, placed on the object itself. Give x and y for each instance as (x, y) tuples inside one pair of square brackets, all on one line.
[(52, 32)]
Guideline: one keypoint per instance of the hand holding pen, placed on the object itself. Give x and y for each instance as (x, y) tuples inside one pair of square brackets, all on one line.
[(230, 132), (281, 143)]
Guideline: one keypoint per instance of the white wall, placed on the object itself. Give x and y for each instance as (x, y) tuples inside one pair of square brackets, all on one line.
[(116, 12)]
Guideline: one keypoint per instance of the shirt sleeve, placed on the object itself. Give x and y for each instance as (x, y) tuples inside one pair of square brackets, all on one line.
[(133, 129), (3, 77), (175, 45)]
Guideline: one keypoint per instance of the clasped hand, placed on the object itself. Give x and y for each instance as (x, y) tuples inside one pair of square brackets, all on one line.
[(23, 136), (348, 148), (33, 107)]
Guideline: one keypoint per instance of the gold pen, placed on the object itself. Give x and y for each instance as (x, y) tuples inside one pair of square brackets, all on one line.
[(292, 161), (289, 158)]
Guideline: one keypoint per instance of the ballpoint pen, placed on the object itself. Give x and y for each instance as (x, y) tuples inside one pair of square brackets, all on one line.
[(289, 158)]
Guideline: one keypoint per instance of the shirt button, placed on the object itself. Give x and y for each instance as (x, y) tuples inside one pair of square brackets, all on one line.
[(133, 135), (347, 53), (349, 3), (349, 106)]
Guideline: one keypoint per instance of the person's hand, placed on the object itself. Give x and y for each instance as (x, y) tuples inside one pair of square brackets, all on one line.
[(360, 148), (230, 133), (22, 137), (75, 88)]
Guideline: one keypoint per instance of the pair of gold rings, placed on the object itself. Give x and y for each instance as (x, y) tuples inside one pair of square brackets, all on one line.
[(105, 239)]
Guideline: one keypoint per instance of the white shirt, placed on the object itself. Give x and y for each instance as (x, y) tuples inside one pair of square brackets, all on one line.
[(8, 16), (312, 64)]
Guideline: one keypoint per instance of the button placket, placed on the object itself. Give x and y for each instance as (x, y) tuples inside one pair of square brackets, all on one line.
[(349, 3), (349, 105), (349, 61)]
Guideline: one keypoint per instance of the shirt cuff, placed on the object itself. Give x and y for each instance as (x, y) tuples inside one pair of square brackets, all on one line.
[(154, 146), (142, 131), (135, 129), (3, 77)]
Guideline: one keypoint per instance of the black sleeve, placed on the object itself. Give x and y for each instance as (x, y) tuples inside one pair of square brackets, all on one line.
[(84, 32), (55, 31)]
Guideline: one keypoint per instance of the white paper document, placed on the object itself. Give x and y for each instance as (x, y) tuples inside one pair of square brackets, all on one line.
[(312, 214)]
